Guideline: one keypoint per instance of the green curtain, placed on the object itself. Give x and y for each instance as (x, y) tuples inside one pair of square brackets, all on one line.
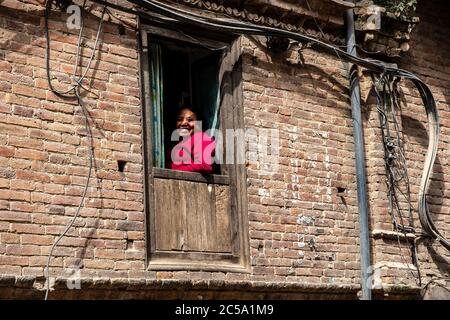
[(156, 82)]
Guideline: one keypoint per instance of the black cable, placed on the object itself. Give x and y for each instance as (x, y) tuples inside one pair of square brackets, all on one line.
[(76, 95), (396, 170), (88, 131), (61, 94), (434, 280)]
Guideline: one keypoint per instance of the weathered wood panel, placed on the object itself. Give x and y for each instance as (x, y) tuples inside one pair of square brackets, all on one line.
[(223, 225), (200, 217), (192, 216), (170, 215), (190, 176)]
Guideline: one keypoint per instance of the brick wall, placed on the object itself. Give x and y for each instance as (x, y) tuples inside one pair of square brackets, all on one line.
[(44, 149), (300, 228), (303, 220)]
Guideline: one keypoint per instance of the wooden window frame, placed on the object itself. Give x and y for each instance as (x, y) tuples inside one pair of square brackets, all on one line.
[(231, 117)]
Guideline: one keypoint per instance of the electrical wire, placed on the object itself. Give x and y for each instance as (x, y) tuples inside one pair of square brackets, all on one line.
[(88, 130), (395, 165), (75, 89), (61, 94), (200, 43), (434, 281)]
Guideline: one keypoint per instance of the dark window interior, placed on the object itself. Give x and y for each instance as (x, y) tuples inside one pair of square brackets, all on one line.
[(190, 78)]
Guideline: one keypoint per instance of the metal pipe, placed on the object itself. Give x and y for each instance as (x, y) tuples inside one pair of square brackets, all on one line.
[(359, 157)]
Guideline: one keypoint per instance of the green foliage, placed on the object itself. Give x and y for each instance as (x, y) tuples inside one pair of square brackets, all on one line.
[(405, 8)]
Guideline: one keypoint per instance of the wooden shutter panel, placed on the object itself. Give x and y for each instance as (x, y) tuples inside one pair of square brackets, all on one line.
[(192, 216)]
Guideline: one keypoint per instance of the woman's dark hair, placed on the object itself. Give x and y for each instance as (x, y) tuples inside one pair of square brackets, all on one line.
[(189, 107)]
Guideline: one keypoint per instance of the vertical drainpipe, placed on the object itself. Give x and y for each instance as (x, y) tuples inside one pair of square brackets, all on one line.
[(359, 157)]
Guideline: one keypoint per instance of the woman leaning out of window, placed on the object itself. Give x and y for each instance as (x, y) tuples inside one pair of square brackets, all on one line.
[(195, 150)]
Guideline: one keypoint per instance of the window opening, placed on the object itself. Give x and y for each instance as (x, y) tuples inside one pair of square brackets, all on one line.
[(182, 75)]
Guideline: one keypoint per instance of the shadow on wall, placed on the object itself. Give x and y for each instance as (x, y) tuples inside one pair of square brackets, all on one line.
[(310, 73), (417, 133), (417, 130), (430, 45)]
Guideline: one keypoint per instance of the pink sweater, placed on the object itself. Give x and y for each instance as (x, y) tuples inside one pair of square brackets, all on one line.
[(194, 154)]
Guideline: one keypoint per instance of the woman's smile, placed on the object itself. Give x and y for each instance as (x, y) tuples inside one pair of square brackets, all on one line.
[(186, 122)]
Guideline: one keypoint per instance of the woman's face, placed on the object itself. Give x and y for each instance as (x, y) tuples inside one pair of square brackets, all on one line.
[(186, 122)]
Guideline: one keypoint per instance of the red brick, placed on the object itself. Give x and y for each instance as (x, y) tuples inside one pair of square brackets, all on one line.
[(54, 189), (22, 185), (99, 264), (126, 52), (13, 261), (36, 239), (5, 108), (12, 129), (10, 238), (23, 250), (128, 205), (31, 154), (23, 101), (65, 200), (25, 142), (135, 235), (14, 195), (109, 254), (42, 261), (23, 111), (5, 66), (6, 151), (60, 179), (32, 175), (4, 183), (135, 216), (113, 126), (59, 147), (43, 134), (24, 207), (41, 197), (110, 234), (73, 242)]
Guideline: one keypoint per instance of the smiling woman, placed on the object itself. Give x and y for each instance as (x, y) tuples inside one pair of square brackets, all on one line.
[(195, 151)]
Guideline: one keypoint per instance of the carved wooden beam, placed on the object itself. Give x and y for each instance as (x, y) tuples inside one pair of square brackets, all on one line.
[(329, 11), (283, 14)]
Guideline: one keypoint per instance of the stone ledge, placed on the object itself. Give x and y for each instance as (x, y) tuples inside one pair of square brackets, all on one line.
[(151, 284), (392, 235), (20, 287)]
